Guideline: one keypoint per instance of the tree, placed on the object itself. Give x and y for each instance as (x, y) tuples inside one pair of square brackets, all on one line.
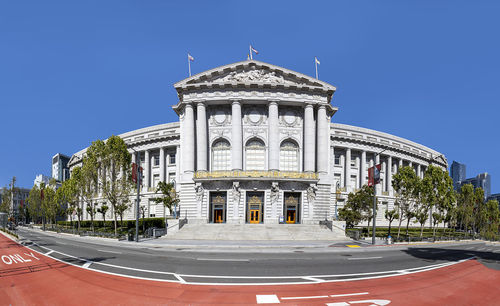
[(490, 228), (103, 210), (421, 216), (49, 204), (7, 202), (479, 210), (406, 186), (391, 215), (465, 208), (68, 194), (88, 183), (358, 207), (119, 211), (169, 197), (35, 204), (437, 192), (115, 178)]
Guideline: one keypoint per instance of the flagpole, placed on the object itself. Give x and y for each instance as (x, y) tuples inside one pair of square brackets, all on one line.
[(316, 66), (189, 65), (251, 57)]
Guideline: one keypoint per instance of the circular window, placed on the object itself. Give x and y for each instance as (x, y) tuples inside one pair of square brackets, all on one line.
[(254, 116), (290, 117), (220, 116)]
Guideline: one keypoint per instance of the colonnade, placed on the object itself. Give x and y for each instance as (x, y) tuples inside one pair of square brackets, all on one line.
[(387, 168), (164, 156), (197, 123)]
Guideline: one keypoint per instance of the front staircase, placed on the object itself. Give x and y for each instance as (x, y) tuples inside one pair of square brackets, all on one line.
[(257, 232)]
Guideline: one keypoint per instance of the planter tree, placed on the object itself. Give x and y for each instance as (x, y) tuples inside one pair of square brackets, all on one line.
[(406, 186), (115, 179), (88, 182), (35, 204), (68, 193), (103, 210), (169, 197)]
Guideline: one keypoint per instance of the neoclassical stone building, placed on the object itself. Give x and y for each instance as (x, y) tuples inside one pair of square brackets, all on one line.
[(255, 144)]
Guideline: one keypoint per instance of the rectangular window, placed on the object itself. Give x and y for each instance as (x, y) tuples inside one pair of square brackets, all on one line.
[(171, 177), (337, 159), (156, 180), (353, 161), (156, 160), (172, 159)]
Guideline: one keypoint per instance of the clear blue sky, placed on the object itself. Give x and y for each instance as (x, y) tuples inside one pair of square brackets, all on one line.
[(75, 71)]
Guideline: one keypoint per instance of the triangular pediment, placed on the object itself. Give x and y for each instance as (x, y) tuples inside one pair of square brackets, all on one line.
[(252, 72)]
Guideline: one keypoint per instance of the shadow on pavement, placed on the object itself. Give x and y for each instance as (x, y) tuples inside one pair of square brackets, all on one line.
[(488, 258)]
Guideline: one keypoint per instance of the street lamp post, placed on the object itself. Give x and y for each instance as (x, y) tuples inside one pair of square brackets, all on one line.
[(138, 179)]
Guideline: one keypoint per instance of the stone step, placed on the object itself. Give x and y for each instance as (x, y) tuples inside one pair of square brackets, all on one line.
[(256, 232)]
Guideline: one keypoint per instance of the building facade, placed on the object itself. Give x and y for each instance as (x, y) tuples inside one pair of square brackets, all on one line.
[(482, 180), (457, 173), (60, 169), (255, 144)]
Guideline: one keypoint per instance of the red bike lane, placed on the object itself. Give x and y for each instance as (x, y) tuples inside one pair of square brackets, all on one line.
[(29, 278)]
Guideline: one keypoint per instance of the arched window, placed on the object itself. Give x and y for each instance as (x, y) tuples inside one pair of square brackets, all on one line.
[(255, 155), (289, 156), (221, 155)]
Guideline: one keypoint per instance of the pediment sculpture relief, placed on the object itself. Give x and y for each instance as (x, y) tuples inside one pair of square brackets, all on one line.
[(260, 76)]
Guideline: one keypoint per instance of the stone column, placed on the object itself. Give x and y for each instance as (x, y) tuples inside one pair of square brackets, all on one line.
[(377, 161), (177, 166), (274, 145), (348, 169), (323, 134), (236, 136), (188, 131), (134, 155), (389, 175), (400, 163), (162, 164), (342, 165), (362, 168), (309, 139), (201, 137), (419, 172), (147, 163)]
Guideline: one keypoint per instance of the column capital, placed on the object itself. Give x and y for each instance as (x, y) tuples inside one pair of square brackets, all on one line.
[(273, 101), (308, 105), (235, 101), (198, 102)]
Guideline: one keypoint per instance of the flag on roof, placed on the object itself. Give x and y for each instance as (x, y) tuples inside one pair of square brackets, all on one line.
[(316, 60), (190, 57)]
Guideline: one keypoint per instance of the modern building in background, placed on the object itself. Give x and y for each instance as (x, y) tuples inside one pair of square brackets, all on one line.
[(457, 173), (495, 197), (40, 178), (60, 170), (255, 144)]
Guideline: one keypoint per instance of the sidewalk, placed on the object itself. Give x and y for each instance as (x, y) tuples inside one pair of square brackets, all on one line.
[(256, 246)]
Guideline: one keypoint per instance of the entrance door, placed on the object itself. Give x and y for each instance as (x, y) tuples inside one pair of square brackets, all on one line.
[(291, 207), (255, 203), (217, 207)]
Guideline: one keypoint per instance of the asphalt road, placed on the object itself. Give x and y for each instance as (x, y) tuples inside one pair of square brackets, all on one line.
[(296, 266)]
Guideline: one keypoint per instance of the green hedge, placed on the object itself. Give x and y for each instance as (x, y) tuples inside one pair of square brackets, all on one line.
[(148, 222), (412, 232)]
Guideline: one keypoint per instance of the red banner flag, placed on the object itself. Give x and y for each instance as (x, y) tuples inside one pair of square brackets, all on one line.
[(374, 175)]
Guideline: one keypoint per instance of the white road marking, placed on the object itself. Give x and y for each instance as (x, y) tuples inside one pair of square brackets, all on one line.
[(49, 252), (59, 242), (87, 264), (305, 297), (114, 252), (361, 258), (267, 299), (348, 294), (222, 259), (367, 275)]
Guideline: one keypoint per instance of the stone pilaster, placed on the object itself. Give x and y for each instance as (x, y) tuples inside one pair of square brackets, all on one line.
[(389, 175), (236, 136), (162, 164), (309, 139), (188, 134), (274, 145), (362, 168), (323, 134), (348, 169), (201, 137), (147, 166)]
